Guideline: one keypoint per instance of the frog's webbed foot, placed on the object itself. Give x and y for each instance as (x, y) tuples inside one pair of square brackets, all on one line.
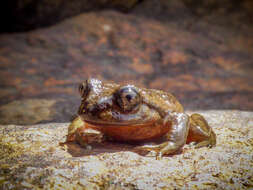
[(176, 137), (200, 132), (159, 150), (79, 131)]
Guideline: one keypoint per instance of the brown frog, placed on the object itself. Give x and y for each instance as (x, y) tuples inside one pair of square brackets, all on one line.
[(131, 114)]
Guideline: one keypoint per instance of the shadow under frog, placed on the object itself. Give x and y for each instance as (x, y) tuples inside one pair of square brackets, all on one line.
[(115, 117)]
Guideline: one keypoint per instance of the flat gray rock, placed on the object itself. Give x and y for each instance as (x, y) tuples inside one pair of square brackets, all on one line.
[(33, 157)]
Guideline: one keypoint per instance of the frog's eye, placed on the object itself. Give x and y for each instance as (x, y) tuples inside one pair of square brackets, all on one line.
[(128, 98), (84, 89)]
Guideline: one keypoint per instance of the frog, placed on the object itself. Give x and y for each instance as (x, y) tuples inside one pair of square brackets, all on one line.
[(129, 114)]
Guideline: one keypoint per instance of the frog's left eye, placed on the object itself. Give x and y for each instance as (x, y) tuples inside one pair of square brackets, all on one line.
[(128, 98), (84, 89)]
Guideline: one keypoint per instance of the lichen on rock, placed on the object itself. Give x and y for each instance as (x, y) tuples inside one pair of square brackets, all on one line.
[(36, 157)]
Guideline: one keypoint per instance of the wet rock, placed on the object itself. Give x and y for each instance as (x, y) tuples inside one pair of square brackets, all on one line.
[(34, 157)]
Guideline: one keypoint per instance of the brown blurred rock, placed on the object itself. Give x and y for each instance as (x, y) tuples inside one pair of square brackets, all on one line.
[(33, 157), (206, 62), (28, 111), (22, 15)]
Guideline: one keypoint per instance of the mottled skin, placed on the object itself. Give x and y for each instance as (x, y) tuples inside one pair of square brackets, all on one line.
[(131, 114)]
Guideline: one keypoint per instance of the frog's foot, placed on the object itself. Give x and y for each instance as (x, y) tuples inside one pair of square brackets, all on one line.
[(79, 131), (159, 150), (86, 136), (200, 132)]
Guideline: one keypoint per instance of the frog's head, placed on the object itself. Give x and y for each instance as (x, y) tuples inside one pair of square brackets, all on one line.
[(112, 104)]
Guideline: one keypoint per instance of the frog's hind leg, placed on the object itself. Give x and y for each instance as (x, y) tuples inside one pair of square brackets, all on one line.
[(200, 132), (175, 138)]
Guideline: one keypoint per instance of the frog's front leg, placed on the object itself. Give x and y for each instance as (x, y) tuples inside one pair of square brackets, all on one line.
[(80, 132), (176, 136), (75, 124)]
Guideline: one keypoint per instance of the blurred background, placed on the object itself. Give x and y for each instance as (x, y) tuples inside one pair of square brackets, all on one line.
[(199, 50)]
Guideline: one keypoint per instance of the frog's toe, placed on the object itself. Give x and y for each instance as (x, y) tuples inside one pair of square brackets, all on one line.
[(147, 150), (210, 142), (159, 155), (192, 144), (202, 144), (151, 154), (159, 150), (88, 136)]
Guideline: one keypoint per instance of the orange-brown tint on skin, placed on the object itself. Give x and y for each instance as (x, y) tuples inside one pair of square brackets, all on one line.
[(153, 114), (138, 132)]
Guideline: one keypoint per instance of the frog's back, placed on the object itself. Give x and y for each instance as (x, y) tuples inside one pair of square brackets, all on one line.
[(162, 100)]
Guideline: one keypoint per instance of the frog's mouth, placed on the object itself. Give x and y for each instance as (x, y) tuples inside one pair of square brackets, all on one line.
[(115, 118), (111, 116), (118, 124), (129, 120)]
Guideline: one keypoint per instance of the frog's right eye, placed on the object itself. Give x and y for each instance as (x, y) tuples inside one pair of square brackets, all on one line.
[(84, 89), (128, 98)]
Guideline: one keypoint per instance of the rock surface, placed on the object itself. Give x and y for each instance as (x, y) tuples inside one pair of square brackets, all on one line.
[(34, 157)]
